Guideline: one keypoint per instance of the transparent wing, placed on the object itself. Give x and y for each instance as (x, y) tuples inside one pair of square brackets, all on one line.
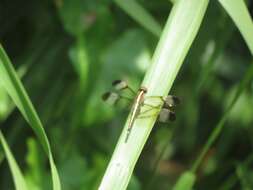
[(111, 98), (166, 115), (171, 101), (120, 85)]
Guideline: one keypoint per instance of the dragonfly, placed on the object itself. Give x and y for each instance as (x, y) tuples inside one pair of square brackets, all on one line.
[(167, 105)]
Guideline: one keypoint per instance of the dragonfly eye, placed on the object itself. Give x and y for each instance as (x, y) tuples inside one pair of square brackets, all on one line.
[(166, 115), (144, 89), (110, 97), (120, 84), (171, 101)]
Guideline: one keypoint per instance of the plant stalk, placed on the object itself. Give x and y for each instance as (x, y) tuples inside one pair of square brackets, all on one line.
[(179, 32)]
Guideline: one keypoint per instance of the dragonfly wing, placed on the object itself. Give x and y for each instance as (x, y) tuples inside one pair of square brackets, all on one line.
[(111, 97), (166, 115), (171, 101), (119, 84)]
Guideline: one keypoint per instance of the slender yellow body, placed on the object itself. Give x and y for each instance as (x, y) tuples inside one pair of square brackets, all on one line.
[(136, 109)]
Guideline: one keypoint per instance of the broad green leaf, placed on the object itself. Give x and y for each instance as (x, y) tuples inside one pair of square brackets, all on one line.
[(12, 84), (140, 15), (185, 182), (238, 11), (17, 175)]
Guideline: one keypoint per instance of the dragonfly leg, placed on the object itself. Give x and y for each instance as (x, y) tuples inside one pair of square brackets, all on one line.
[(147, 113), (120, 85), (158, 97), (131, 90), (162, 117), (146, 116), (152, 107), (126, 98)]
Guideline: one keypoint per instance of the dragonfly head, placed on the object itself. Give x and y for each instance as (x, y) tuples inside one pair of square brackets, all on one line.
[(144, 89)]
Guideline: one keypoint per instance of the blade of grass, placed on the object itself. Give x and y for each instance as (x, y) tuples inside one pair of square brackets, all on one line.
[(140, 15), (180, 30), (17, 175), (239, 13), (187, 179), (231, 181), (185, 182), (221, 42), (217, 130), (15, 89)]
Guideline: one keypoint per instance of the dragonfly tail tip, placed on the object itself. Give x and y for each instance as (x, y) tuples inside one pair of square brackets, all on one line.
[(127, 135)]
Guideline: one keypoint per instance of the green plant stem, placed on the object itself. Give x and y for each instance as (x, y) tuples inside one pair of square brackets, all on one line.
[(177, 37), (241, 16), (140, 15), (15, 89), (217, 130), (18, 177), (231, 181), (210, 141)]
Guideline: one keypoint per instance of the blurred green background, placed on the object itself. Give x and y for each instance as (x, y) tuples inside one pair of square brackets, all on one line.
[(68, 52)]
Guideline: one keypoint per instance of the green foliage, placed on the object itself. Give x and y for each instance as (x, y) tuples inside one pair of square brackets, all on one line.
[(220, 125), (35, 174), (4, 103), (158, 80), (67, 53), (17, 92), (241, 16), (245, 175), (140, 14), (185, 182), (18, 177)]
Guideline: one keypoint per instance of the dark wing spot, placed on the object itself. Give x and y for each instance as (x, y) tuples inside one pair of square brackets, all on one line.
[(111, 97), (116, 82), (119, 84), (106, 95), (166, 115), (172, 116), (176, 100), (171, 101)]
